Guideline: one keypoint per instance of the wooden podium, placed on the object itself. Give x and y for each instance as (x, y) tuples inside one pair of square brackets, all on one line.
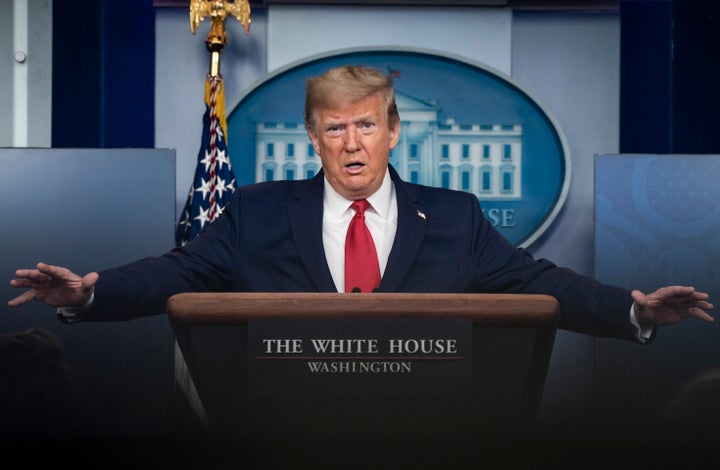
[(510, 340)]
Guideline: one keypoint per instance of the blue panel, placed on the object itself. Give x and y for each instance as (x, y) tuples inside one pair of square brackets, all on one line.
[(696, 74), (660, 215), (645, 72), (76, 77), (104, 74), (91, 209), (657, 223), (128, 74)]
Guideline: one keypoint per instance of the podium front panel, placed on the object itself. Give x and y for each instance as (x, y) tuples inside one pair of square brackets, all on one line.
[(505, 341)]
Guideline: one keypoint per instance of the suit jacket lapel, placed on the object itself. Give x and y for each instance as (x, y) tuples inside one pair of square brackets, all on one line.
[(305, 216), (410, 233)]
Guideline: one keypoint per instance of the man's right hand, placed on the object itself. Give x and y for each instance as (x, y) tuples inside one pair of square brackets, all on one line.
[(53, 285)]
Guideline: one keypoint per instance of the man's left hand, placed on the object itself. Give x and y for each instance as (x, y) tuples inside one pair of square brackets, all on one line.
[(670, 305)]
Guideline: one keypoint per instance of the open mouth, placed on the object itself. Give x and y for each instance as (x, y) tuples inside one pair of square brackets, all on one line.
[(354, 165)]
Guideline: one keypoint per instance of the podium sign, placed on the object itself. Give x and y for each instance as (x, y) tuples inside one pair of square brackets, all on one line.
[(359, 357)]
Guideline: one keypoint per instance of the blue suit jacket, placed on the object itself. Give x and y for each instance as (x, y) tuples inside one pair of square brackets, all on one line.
[(269, 239)]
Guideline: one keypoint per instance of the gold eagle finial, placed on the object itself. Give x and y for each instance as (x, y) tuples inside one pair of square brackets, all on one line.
[(218, 10)]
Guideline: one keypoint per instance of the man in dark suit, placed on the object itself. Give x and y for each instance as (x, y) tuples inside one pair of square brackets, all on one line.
[(289, 236)]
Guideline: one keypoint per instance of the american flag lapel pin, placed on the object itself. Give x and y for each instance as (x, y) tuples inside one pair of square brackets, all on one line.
[(422, 215)]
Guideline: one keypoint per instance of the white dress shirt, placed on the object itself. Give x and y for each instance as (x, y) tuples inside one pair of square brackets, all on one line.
[(380, 218)]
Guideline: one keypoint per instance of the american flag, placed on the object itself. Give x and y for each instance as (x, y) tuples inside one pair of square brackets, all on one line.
[(210, 191), (214, 180)]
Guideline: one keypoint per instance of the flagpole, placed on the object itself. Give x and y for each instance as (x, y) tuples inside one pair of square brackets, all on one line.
[(220, 178)]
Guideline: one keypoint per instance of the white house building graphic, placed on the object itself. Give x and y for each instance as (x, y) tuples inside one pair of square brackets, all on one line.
[(480, 158)]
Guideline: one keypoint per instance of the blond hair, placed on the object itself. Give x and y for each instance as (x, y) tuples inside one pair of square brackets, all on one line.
[(345, 85)]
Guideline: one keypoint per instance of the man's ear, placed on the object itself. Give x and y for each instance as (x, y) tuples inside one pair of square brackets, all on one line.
[(394, 135), (313, 139)]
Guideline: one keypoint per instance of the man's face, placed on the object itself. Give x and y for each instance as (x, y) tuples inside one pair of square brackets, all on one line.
[(354, 144)]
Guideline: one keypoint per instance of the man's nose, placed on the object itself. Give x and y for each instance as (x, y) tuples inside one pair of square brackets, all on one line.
[(351, 141)]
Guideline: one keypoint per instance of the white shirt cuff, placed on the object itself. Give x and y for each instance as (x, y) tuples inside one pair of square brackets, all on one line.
[(76, 313), (641, 334)]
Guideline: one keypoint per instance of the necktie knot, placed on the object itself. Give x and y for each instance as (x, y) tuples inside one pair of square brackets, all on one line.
[(360, 207)]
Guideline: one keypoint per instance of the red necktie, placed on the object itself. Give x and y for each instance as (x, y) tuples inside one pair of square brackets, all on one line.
[(362, 270)]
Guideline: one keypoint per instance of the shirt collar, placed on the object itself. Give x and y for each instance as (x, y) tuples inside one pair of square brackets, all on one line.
[(334, 205)]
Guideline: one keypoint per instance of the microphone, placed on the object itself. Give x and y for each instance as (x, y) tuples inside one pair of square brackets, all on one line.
[(356, 289)]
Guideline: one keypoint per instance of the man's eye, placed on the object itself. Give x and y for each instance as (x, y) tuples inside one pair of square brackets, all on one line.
[(334, 130)]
